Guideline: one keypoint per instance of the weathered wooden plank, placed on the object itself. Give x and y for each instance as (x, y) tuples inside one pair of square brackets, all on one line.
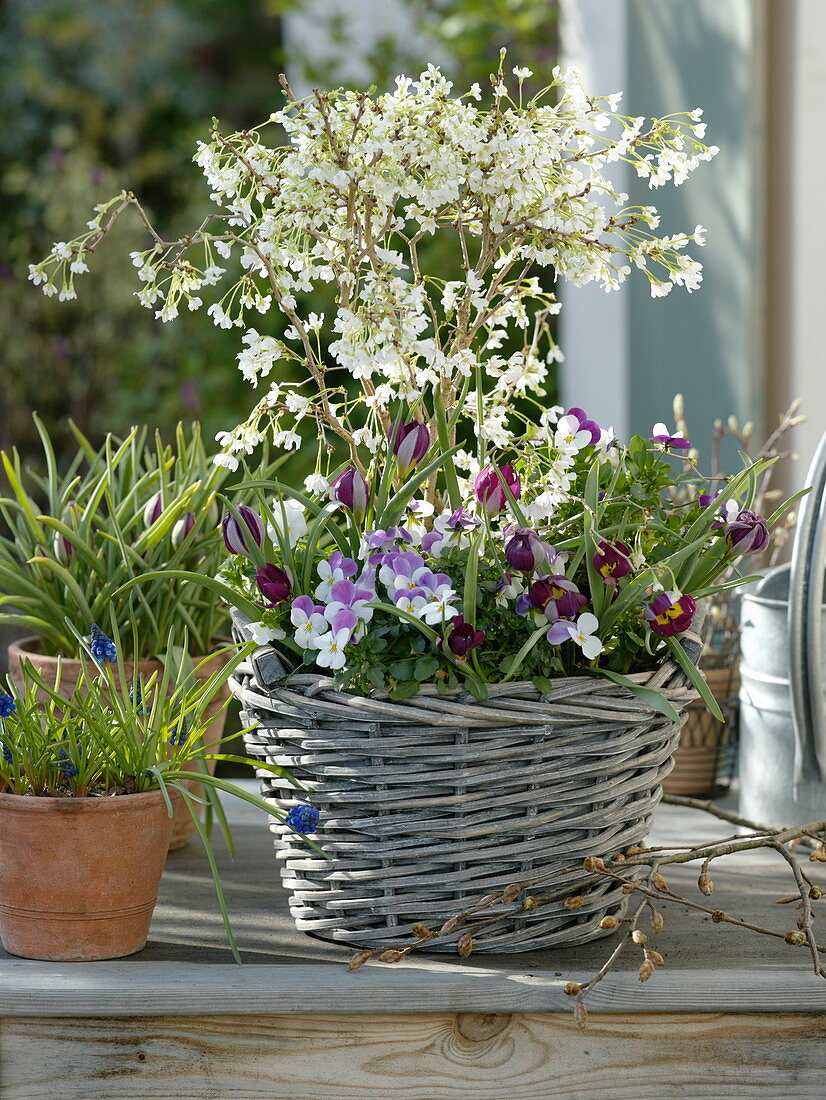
[(428, 1057), (185, 989)]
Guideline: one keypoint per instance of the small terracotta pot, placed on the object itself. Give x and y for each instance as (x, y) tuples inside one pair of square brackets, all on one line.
[(79, 877), (28, 649), (703, 740)]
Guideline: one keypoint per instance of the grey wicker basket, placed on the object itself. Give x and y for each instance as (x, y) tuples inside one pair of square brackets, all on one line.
[(428, 804)]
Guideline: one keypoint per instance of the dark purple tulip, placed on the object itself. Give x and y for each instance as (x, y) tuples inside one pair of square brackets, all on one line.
[(670, 613), (612, 560), (586, 425), (243, 532), (351, 490), (525, 550), (558, 597), (489, 491), (411, 442), (152, 511), (182, 529), (463, 638), (275, 585), (748, 533)]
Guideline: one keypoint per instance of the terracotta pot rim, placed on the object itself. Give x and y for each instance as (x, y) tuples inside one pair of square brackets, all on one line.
[(121, 803), (30, 645)]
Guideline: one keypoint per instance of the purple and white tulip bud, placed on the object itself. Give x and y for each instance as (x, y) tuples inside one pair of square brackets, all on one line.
[(525, 551), (351, 490), (62, 548), (153, 510), (410, 442), (182, 529), (747, 533), (489, 490), (243, 532)]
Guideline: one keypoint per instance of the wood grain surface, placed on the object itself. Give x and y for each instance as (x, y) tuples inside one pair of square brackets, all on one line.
[(427, 1057)]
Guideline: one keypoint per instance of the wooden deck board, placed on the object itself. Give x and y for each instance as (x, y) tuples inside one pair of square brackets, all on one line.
[(731, 1014)]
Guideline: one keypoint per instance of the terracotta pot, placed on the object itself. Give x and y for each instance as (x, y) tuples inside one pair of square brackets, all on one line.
[(28, 649), (703, 740), (79, 877)]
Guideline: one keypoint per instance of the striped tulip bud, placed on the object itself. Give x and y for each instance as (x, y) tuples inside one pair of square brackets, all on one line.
[(525, 550), (411, 442), (182, 529), (351, 490), (153, 510), (243, 530), (489, 489)]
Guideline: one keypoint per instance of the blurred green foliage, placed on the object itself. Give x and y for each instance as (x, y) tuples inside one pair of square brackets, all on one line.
[(98, 96)]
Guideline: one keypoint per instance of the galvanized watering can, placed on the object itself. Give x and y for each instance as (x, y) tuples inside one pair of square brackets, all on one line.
[(782, 759)]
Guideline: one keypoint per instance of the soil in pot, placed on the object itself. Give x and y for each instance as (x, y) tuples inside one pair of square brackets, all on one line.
[(79, 877), (28, 649)]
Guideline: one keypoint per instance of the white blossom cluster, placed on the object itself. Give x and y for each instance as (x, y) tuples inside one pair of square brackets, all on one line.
[(347, 200)]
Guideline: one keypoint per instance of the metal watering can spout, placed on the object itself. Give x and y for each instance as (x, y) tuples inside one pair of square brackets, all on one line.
[(805, 628)]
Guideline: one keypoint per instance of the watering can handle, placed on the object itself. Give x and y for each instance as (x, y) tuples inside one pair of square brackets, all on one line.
[(805, 626)]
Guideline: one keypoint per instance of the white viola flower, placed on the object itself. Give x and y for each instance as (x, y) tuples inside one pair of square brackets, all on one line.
[(568, 437), (309, 626), (288, 520), (582, 632), (331, 646), (262, 634), (436, 608)]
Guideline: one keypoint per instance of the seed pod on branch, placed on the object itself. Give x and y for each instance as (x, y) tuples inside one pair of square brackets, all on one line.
[(511, 892), (646, 970), (815, 893), (391, 956), (818, 855), (422, 932), (529, 903), (786, 901), (574, 902), (655, 957), (465, 945), (705, 884), (634, 850), (639, 937), (657, 922), (448, 926), (796, 938), (608, 923), (593, 863), (718, 915), (359, 959), (618, 857), (660, 883), (573, 989)]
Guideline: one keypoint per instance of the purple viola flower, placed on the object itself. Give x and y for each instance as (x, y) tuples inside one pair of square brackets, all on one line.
[(612, 560), (704, 499), (489, 489), (586, 425), (557, 596), (347, 595), (153, 510), (182, 529), (351, 490), (274, 584), (525, 550), (462, 638), (676, 442), (748, 533), (410, 443), (243, 530), (670, 613)]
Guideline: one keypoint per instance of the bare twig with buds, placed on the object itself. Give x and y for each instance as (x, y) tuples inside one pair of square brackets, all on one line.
[(639, 870)]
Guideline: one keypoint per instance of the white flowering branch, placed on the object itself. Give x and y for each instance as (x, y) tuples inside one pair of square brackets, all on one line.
[(362, 182)]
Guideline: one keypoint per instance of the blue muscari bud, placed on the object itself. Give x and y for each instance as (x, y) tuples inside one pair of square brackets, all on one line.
[(7, 753), (66, 766), (303, 818), (7, 704), (102, 647)]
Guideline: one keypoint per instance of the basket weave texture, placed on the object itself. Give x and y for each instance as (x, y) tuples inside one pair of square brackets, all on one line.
[(428, 804)]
